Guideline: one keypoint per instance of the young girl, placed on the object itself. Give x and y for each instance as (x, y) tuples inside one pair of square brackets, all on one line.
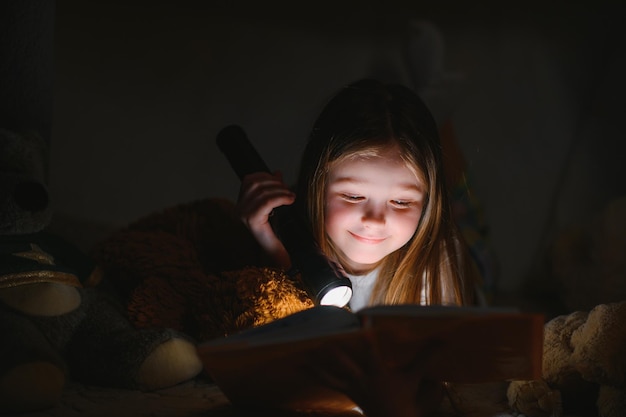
[(371, 186)]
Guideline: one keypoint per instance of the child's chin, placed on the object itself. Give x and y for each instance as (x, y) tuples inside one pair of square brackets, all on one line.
[(363, 265)]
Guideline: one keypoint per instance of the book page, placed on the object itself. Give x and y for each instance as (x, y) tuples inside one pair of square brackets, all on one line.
[(307, 324)]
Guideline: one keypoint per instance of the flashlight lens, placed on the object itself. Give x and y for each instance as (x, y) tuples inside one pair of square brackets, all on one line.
[(338, 296)]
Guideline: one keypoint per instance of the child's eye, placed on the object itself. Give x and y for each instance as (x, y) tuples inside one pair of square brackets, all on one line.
[(401, 203), (352, 198)]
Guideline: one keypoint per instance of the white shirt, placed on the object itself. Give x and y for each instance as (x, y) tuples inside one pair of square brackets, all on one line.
[(362, 286)]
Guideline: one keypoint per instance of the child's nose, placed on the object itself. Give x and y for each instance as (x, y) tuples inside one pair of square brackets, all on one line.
[(374, 215)]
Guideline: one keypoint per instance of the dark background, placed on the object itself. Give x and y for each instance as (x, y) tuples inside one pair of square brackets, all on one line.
[(535, 91)]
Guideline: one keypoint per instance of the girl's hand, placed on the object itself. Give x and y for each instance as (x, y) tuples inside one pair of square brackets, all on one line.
[(379, 389), (259, 195)]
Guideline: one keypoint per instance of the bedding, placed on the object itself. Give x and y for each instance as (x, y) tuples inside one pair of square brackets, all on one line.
[(198, 397), (195, 398)]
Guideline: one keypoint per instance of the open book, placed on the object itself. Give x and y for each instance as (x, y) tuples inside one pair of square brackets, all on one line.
[(270, 365)]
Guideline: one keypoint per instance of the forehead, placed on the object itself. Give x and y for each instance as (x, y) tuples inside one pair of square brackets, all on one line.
[(392, 155), (375, 166)]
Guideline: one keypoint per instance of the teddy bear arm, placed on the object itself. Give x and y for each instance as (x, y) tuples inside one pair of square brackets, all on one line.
[(106, 349), (135, 359), (534, 398), (41, 298), (168, 364)]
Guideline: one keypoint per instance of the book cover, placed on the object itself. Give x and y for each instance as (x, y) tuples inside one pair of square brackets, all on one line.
[(270, 365)]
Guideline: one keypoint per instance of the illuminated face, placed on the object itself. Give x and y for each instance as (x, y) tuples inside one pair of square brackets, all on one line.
[(373, 206)]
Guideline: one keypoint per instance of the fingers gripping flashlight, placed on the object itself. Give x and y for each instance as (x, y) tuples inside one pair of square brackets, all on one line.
[(320, 277)]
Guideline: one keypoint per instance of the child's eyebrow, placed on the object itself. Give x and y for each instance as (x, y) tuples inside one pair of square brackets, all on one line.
[(340, 180)]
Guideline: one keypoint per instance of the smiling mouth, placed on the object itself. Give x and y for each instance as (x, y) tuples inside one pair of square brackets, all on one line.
[(368, 240)]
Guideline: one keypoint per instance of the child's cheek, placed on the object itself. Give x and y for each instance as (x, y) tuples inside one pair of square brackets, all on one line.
[(339, 217)]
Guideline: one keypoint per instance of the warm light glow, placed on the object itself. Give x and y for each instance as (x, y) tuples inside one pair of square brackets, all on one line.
[(338, 296)]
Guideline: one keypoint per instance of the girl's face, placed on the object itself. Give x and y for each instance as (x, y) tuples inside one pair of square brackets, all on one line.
[(373, 207)]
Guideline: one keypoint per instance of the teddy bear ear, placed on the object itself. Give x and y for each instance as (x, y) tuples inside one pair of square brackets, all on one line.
[(598, 345)]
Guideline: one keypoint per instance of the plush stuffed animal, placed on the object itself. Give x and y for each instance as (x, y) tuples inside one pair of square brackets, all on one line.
[(584, 367), (195, 267), (57, 317)]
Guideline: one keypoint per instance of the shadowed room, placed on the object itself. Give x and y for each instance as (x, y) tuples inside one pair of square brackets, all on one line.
[(129, 97)]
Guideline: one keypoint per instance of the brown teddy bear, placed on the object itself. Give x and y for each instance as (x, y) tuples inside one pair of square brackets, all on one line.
[(197, 269), (584, 366)]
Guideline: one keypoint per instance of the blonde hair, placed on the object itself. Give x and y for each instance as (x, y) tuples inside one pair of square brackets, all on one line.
[(368, 117)]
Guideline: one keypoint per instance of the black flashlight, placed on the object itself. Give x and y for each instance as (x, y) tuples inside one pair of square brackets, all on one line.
[(321, 277)]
